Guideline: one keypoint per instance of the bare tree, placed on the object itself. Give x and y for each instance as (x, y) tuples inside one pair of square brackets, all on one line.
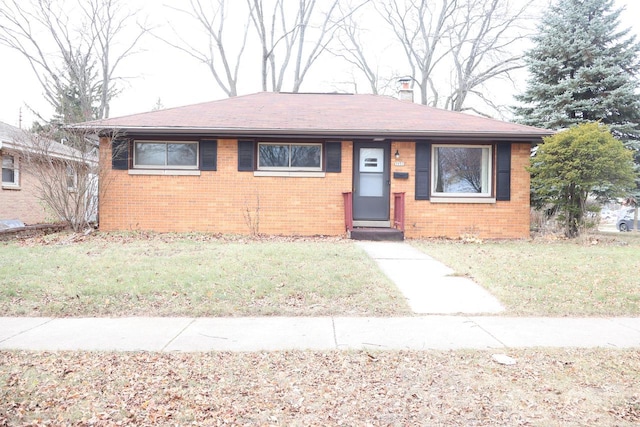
[(62, 39), (421, 26), (352, 49), (24, 26), (482, 44), (211, 18), (299, 34), (326, 31), (268, 41), (454, 47), (66, 178), (109, 21)]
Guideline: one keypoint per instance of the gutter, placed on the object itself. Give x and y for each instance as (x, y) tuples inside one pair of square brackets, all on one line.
[(313, 133)]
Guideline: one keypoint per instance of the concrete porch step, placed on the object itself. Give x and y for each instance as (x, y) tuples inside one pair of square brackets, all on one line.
[(377, 234)]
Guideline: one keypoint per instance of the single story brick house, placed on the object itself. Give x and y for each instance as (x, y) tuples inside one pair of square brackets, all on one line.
[(315, 164)]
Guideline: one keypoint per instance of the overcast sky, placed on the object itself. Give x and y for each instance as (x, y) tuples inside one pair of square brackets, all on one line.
[(164, 73)]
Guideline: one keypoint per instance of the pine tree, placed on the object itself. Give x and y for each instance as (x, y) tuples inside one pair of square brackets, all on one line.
[(582, 69)]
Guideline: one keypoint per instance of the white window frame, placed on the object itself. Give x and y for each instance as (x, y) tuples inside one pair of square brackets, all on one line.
[(72, 173), (488, 161), (166, 166), (16, 170), (291, 168)]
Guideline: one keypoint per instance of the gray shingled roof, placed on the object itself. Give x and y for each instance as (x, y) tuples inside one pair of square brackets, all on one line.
[(19, 139), (8, 132), (268, 113)]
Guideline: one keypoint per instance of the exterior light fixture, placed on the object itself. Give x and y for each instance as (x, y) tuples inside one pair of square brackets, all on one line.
[(397, 154)]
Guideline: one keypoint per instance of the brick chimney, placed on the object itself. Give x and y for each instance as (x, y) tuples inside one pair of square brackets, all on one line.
[(405, 92)]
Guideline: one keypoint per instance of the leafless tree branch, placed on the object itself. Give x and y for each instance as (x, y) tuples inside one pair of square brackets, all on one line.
[(481, 45), (217, 57), (421, 26), (63, 40)]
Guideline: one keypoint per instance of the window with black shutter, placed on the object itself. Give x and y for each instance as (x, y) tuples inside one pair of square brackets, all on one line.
[(289, 157), (165, 155), (208, 155), (333, 154), (245, 156), (503, 171), (120, 154), (423, 170)]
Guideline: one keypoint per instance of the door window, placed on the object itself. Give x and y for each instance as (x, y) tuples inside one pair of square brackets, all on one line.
[(371, 172)]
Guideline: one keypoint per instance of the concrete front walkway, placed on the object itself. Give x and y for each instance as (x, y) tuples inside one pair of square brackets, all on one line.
[(319, 333), (429, 286)]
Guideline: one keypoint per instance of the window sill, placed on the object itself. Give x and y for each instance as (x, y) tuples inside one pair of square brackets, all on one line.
[(293, 174), (168, 172), (486, 200), (11, 187)]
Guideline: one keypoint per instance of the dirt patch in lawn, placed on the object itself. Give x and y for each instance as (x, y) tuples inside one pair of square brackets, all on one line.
[(456, 388)]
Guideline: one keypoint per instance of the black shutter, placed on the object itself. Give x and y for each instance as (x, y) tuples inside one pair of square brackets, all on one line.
[(120, 154), (503, 171), (245, 155), (423, 170), (333, 153), (208, 155)]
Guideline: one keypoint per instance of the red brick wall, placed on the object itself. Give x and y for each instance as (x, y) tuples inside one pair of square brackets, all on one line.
[(508, 219), (219, 201), (21, 203)]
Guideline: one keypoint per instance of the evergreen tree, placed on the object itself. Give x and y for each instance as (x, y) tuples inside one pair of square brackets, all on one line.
[(78, 92), (583, 68)]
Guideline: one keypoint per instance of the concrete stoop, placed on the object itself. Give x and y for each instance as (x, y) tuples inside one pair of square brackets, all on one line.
[(377, 234)]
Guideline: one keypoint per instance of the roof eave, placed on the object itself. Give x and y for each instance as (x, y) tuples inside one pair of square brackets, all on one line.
[(331, 133), (53, 153)]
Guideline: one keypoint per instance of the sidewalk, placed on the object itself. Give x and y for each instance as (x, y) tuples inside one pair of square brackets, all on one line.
[(429, 286), (319, 333)]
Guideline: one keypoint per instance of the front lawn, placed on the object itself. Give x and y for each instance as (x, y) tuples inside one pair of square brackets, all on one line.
[(596, 275), (139, 274), (191, 275)]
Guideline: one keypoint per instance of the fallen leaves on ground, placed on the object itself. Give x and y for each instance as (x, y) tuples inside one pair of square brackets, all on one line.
[(68, 238), (458, 388)]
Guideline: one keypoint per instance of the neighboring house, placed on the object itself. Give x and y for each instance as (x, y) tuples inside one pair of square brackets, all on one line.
[(315, 164), (20, 196), (18, 192)]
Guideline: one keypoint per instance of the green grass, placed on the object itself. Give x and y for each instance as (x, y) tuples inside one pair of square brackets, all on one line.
[(597, 275), (198, 275), (169, 275)]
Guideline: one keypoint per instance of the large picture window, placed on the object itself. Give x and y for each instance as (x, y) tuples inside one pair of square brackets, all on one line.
[(279, 156), (9, 170), (173, 155), (460, 171)]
